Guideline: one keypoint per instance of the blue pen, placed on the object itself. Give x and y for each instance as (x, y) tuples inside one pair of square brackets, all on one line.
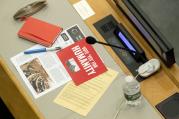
[(41, 50)]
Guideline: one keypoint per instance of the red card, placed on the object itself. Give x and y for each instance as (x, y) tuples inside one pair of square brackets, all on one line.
[(81, 62), (39, 31)]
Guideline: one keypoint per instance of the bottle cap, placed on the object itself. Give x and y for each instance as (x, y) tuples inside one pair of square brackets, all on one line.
[(129, 78)]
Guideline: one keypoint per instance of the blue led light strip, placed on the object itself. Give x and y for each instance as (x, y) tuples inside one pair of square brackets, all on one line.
[(128, 44)]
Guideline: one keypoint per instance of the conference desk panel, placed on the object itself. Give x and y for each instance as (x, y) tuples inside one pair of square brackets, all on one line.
[(153, 86), (154, 89)]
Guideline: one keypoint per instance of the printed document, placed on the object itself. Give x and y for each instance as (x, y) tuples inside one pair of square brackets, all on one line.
[(43, 72), (82, 98), (82, 62)]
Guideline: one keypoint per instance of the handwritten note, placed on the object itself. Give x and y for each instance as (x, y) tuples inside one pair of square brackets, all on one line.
[(81, 99)]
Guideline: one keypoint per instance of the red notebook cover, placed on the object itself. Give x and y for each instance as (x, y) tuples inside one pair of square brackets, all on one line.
[(81, 62), (39, 31)]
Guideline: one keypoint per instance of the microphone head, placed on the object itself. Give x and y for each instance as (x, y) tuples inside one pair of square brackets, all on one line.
[(90, 40)]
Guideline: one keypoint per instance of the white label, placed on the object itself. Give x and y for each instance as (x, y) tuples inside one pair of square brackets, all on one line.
[(83, 9)]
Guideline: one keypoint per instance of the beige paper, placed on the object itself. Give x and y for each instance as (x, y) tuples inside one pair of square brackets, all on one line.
[(81, 99)]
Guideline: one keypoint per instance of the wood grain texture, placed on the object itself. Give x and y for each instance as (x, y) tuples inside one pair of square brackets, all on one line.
[(155, 88), (13, 95)]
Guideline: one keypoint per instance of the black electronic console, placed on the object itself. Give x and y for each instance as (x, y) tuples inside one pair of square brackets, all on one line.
[(157, 21), (128, 42), (116, 35)]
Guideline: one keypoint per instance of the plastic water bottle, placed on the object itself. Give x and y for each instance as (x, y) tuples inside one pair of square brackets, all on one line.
[(131, 90)]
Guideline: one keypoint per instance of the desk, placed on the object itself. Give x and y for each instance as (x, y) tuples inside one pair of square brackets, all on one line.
[(154, 89)]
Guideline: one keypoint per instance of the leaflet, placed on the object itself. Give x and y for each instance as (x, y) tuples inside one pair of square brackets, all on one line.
[(82, 62)]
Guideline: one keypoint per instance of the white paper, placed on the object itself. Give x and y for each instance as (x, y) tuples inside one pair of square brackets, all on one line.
[(84, 9), (43, 72)]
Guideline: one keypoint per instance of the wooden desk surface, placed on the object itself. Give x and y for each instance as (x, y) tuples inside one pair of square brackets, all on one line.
[(155, 89)]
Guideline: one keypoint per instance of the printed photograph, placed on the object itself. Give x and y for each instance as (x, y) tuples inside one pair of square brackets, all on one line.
[(36, 75), (72, 65), (75, 33)]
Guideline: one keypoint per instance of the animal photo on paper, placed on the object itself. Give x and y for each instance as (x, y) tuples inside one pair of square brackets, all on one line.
[(36, 75)]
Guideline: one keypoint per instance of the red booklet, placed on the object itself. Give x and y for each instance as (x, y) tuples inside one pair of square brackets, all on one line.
[(81, 62), (39, 31)]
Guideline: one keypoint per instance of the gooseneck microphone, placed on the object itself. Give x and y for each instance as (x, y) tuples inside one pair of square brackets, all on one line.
[(91, 40), (137, 56)]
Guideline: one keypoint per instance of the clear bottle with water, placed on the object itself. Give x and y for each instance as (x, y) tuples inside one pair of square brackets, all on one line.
[(131, 90)]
